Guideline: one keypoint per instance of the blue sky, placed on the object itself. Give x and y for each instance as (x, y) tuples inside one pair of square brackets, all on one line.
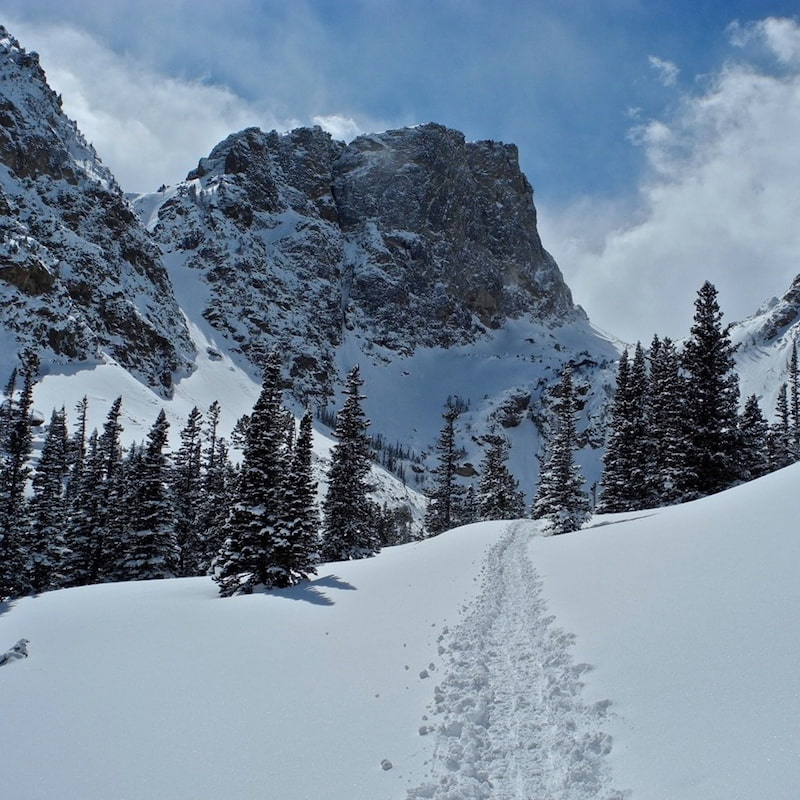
[(640, 123)]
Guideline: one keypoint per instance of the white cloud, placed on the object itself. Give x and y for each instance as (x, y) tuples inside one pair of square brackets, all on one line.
[(721, 203), (147, 128), (667, 71), (340, 126)]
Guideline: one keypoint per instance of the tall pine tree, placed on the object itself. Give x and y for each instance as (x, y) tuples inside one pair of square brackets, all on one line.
[(666, 420), (16, 443), (46, 550), (499, 496), (299, 553), (712, 395), (446, 496), (151, 545), (187, 491), (247, 557), (560, 496), (753, 441), (349, 516)]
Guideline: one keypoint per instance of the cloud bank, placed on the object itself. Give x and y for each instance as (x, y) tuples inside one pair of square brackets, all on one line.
[(720, 200)]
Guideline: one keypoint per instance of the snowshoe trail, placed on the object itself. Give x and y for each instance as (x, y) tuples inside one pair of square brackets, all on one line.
[(508, 717)]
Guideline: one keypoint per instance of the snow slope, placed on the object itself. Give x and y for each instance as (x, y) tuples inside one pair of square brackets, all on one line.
[(458, 667)]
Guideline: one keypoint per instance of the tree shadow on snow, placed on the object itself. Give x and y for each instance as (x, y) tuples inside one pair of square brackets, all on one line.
[(310, 591)]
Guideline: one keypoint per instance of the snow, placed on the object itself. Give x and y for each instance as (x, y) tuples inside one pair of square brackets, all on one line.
[(649, 656)]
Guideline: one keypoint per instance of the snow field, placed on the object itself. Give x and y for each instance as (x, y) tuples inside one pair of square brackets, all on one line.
[(509, 720)]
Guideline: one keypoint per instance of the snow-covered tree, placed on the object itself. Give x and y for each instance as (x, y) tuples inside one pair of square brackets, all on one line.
[(45, 546), (112, 518), (499, 495), (187, 492), (666, 423), (560, 496), (349, 529), (712, 394), (780, 434), (794, 402), (446, 496), (247, 557), (298, 555), (151, 549), (619, 453), (16, 441), (754, 455), (86, 512)]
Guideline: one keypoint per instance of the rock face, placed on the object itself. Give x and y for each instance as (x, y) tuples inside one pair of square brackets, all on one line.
[(445, 237), (80, 280), (411, 238), (257, 225)]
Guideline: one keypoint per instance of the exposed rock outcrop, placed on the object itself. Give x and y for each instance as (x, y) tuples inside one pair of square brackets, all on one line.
[(79, 277), (412, 237)]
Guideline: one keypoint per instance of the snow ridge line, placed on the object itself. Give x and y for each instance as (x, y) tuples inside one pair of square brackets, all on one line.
[(511, 724)]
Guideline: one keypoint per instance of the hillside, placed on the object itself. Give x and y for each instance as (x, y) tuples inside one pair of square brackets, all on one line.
[(445, 668)]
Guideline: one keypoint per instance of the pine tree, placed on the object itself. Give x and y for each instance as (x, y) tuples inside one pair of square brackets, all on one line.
[(499, 496), (85, 515), (46, 548), (299, 554), (560, 496), (780, 437), (151, 548), (446, 496), (76, 448), (349, 529), (107, 513), (247, 558), (187, 491), (712, 398), (794, 402), (753, 441), (627, 469), (666, 419), (16, 443)]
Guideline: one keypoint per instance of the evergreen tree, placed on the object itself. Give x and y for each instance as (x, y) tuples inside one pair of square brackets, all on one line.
[(16, 443), (446, 497), (618, 454), (780, 437), (247, 557), (349, 529), (499, 496), (107, 537), (85, 517), (753, 441), (666, 419), (794, 402), (219, 483), (712, 393), (187, 491), (76, 449), (299, 554), (560, 496), (626, 473), (46, 549), (152, 548)]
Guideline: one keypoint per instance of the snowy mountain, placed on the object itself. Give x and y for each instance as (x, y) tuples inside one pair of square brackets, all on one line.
[(764, 346), (80, 281), (412, 253), (651, 656)]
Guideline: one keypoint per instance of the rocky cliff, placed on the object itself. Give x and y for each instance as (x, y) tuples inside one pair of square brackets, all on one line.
[(411, 238), (80, 279)]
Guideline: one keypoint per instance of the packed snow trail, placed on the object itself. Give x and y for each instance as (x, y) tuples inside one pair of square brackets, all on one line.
[(508, 717)]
